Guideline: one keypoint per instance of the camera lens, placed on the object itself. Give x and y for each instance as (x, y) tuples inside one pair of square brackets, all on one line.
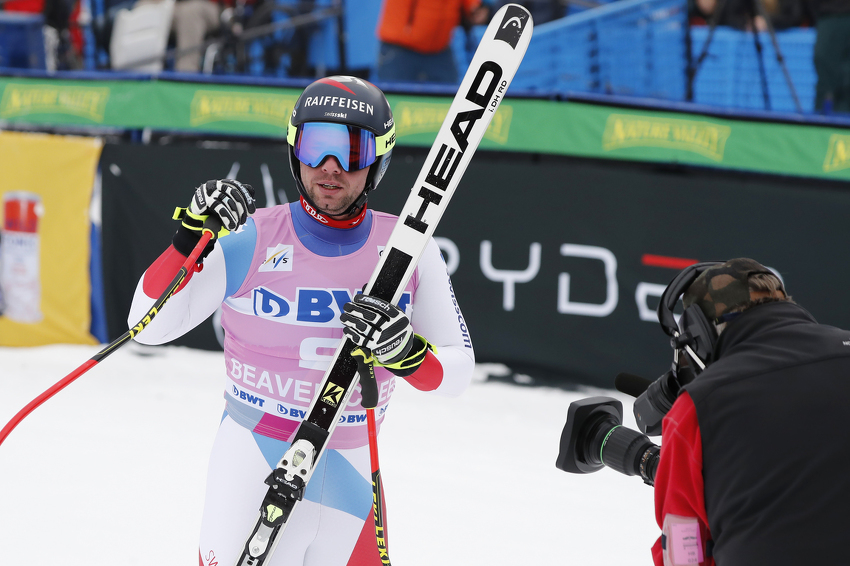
[(630, 452), (588, 420), (593, 437)]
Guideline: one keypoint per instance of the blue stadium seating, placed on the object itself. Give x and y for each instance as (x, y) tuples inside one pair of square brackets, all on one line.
[(632, 48), (730, 74), (628, 47), (21, 41)]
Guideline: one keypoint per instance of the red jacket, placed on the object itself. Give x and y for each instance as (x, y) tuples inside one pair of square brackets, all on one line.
[(424, 26), (679, 487)]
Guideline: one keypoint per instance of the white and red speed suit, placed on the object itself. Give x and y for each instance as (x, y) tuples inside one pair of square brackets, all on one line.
[(281, 282)]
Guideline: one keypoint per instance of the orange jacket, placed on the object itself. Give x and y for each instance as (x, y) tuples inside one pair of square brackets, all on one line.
[(422, 25)]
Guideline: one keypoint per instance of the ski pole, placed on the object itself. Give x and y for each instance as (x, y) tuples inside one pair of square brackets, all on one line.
[(211, 228), (369, 394), (377, 493)]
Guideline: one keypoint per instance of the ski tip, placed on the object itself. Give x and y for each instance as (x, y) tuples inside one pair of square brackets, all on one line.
[(512, 23)]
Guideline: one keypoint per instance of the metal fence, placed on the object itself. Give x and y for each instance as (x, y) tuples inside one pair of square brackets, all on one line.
[(629, 48), (632, 48), (639, 48)]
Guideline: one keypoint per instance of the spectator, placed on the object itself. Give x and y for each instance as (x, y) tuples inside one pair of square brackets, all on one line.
[(192, 21), (102, 27), (61, 53), (832, 55), (415, 38), (744, 14), (59, 49), (782, 14)]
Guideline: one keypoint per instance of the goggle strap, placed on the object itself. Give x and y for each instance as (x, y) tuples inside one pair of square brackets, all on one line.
[(385, 143)]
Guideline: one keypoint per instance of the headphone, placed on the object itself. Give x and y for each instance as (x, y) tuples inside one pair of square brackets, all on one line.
[(694, 332)]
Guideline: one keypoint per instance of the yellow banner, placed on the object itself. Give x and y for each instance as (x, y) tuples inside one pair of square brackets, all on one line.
[(414, 117), (837, 154), (697, 136), (45, 195), (81, 101)]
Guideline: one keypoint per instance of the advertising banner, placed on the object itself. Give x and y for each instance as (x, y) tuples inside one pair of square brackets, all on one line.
[(142, 184), (557, 263), (554, 127), (45, 286)]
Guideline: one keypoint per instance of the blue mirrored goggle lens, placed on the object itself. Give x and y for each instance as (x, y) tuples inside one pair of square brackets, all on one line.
[(353, 147)]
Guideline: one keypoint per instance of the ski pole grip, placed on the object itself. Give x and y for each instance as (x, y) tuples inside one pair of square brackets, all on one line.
[(368, 384), (213, 225)]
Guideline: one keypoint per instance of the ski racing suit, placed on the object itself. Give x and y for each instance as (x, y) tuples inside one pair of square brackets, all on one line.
[(281, 282)]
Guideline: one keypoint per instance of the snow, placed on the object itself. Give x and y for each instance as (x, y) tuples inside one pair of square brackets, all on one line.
[(110, 472)]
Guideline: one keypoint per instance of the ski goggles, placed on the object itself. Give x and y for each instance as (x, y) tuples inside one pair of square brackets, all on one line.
[(355, 148)]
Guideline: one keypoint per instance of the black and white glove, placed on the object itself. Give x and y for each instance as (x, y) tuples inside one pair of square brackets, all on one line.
[(383, 329), (231, 201)]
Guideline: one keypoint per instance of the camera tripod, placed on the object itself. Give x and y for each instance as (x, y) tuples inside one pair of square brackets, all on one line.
[(755, 8)]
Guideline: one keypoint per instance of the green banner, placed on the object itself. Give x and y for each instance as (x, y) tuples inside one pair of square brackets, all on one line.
[(536, 126)]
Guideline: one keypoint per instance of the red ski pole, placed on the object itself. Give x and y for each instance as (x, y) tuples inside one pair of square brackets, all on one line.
[(377, 494), (369, 393), (208, 234)]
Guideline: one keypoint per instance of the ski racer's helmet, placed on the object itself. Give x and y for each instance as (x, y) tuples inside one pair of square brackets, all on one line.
[(348, 118)]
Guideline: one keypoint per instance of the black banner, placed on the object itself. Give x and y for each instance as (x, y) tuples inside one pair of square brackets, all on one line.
[(557, 263), (142, 185)]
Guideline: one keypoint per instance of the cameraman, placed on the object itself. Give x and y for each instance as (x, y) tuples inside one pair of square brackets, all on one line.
[(755, 451)]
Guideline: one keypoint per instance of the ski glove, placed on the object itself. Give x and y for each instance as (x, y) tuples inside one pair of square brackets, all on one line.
[(385, 330), (231, 201)]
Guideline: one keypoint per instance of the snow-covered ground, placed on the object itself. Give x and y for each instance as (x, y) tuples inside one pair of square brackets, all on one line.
[(110, 472)]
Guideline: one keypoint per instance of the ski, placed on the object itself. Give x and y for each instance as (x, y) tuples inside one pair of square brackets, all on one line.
[(481, 91)]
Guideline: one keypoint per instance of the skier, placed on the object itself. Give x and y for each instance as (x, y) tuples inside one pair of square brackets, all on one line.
[(283, 280)]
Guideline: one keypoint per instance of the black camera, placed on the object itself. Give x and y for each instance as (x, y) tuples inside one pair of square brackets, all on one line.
[(594, 437), (653, 399)]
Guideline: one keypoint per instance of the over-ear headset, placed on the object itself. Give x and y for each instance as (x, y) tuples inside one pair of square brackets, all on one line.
[(693, 333)]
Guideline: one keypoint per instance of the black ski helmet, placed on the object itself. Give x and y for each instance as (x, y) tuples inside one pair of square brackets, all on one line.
[(353, 102)]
